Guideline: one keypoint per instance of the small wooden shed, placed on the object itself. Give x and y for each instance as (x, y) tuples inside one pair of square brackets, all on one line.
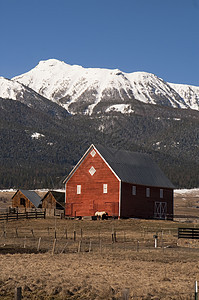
[(24, 199), (53, 200)]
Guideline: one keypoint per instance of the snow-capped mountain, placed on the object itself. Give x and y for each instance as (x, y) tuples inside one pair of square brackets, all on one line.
[(10, 89), (188, 92), (88, 90)]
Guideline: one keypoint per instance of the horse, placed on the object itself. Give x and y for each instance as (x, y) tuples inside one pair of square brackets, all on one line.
[(101, 215)]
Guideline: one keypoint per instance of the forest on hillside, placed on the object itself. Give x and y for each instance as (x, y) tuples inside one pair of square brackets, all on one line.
[(169, 136)]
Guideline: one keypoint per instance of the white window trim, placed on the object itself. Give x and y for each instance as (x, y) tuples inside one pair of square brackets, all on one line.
[(134, 190), (148, 192), (79, 189), (105, 188)]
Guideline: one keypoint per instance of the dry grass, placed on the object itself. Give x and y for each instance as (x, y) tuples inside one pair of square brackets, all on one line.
[(147, 274), (167, 272), (186, 203)]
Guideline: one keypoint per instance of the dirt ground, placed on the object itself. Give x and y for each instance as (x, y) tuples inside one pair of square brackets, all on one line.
[(93, 266)]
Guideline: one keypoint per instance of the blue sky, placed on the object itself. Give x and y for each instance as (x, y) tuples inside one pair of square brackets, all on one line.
[(157, 36)]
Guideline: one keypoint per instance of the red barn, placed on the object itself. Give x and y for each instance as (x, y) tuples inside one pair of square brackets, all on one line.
[(122, 183)]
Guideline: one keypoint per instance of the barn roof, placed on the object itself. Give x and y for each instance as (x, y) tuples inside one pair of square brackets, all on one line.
[(130, 167), (32, 196), (134, 167)]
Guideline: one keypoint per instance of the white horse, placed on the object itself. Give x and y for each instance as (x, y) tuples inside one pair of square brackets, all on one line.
[(101, 215)]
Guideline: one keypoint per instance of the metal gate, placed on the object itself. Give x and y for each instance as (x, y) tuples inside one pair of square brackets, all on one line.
[(160, 210)]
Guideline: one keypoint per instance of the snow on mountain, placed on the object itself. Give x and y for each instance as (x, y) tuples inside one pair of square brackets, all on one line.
[(10, 89), (37, 135), (88, 90), (123, 108), (189, 93)]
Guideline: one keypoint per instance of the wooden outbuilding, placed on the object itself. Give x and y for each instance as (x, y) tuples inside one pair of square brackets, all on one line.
[(24, 199), (53, 200), (122, 183)]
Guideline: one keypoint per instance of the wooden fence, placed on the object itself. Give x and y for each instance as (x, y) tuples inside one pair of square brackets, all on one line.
[(188, 233), (22, 216)]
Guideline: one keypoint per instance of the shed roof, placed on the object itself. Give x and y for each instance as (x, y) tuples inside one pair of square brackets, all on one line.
[(59, 196), (32, 196), (134, 167)]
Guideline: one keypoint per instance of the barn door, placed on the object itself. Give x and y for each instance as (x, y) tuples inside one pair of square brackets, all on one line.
[(160, 210)]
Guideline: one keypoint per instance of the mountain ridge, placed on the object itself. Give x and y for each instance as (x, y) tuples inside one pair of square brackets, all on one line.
[(16, 91), (94, 90)]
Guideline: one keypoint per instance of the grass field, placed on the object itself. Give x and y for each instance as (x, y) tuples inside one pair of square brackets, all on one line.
[(93, 266)]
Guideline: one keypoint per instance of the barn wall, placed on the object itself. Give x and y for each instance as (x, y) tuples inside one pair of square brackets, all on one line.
[(139, 205), (92, 198), (16, 201)]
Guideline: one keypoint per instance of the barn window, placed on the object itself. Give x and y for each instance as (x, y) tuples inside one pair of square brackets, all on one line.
[(105, 188), (22, 201), (79, 189), (133, 190), (147, 192), (161, 193), (92, 171), (93, 153)]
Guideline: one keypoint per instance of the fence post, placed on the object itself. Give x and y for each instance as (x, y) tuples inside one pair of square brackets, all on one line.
[(66, 234), (125, 294), (64, 248), (90, 246), (38, 247), (138, 245), (196, 290), (79, 246), (112, 237), (24, 244), (115, 238), (18, 293), (54, 244)]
